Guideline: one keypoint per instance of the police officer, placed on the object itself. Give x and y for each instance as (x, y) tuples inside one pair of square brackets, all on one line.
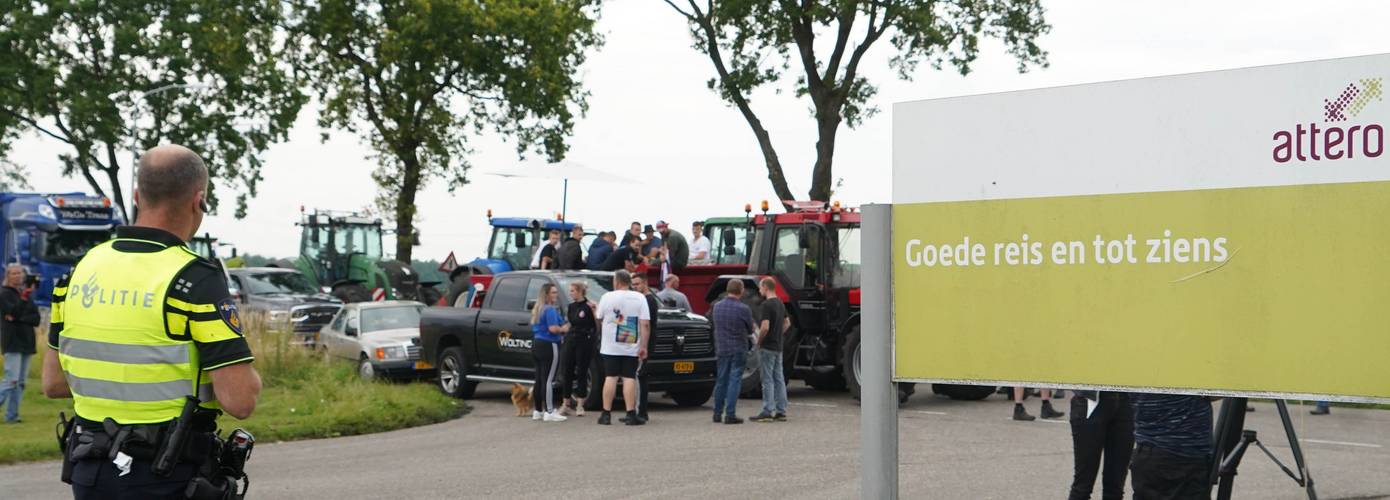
[(137, 325)]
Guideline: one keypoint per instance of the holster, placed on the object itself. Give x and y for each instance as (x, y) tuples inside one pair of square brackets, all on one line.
[(85, 439)]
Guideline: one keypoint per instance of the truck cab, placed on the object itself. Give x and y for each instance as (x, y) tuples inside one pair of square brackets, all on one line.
[(49, 233)]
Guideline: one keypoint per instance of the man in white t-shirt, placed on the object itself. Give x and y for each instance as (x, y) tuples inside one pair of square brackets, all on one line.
[(626, 321), (699, 246)]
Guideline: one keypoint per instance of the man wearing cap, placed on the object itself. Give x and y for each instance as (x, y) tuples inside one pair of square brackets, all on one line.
[(677, 250)]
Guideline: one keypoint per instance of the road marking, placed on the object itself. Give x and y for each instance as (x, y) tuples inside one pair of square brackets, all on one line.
[(1342, 443), (817, 405), (924, 412)]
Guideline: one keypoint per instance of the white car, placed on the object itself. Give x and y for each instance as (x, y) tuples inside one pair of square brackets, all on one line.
[(383, 338)]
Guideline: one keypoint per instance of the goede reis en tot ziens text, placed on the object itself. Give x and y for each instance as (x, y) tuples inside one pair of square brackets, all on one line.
[(1165, 249)]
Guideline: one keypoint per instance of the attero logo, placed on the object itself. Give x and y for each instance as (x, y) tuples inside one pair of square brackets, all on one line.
[(506, 342), (1335, 142)]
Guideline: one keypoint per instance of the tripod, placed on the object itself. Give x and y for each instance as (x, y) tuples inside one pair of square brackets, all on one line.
[(1232, 440)]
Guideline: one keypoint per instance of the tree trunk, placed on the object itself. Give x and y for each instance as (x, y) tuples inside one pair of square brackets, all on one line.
[(822, 176), (405, 206)]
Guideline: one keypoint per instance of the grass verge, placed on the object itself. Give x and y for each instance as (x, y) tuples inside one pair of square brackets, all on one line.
[(304, 397)]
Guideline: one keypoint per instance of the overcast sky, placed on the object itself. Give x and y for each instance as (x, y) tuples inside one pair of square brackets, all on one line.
[(651, 119)]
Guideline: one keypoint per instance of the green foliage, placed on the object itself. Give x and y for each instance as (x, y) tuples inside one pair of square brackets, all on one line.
[(304, 397), (73, 71), (753, 43), (418, 78)]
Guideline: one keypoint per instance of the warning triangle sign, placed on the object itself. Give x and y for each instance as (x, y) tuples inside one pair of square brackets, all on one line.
[(449, 265)]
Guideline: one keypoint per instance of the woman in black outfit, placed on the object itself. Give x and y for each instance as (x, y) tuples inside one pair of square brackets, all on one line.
[(577, 351)]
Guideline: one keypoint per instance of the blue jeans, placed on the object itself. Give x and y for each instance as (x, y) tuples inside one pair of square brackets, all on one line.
[(12, 387), (728, 383), (774, 381)]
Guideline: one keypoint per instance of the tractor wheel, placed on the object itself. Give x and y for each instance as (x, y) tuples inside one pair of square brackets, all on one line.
[(430, 295), (963, 392), (751, 386), (851, 366), (352, 292)]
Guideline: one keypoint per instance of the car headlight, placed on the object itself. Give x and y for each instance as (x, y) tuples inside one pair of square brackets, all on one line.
[(299, 316), (390, 352), (278, 316)]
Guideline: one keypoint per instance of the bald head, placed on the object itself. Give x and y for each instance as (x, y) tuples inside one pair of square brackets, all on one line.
[(170, 175)]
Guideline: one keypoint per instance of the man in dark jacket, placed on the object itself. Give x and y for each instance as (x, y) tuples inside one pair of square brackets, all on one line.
[(600, 249), (16, 338), (571, 255), (639, 285)]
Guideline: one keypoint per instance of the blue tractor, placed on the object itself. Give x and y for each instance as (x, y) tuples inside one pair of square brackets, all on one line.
[(514, 242), (48, 233)]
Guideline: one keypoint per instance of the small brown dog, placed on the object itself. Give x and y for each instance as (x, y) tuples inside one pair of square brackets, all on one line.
[(521, 398)]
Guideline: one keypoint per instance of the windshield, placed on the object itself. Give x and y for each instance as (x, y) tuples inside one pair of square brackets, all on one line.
[(848, 266), (277, 284), (202, 247), (376, 319), (598, 285), (512, 244), (67, 247), (358, 238), (729, 244), (311, 246)]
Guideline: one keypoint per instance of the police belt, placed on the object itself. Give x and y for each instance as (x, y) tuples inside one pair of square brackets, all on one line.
[(139, 441)]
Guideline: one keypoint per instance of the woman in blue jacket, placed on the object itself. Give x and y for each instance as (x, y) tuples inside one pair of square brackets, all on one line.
[(547, 327)]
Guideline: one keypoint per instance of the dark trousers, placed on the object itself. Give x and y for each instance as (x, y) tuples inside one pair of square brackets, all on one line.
[(642, 389), (1162, 475), (1106, 436), (98, 479), (575, 355), (547, 356)]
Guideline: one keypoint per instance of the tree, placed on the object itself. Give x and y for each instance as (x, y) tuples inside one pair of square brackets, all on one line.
[(419, 78), (753, 43), (74, 71)]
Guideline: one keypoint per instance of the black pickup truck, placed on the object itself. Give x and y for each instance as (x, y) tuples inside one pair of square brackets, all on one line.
[(493, 343)]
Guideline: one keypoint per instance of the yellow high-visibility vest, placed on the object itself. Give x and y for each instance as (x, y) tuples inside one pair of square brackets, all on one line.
[(126, 347)]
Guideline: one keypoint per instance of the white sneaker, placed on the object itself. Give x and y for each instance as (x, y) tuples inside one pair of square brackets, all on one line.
[(535, 415), (554, 417)]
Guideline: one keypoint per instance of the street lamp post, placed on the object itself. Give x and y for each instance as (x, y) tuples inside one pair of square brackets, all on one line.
[(135, 124)]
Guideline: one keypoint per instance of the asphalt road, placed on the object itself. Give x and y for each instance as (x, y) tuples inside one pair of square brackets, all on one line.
[(949, 449)]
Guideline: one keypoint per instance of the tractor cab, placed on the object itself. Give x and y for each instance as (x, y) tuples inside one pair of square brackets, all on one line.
[(813, 253), (340, 252), (515, 242)]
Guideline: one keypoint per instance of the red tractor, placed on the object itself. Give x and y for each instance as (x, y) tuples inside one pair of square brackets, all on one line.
[(813, 253)]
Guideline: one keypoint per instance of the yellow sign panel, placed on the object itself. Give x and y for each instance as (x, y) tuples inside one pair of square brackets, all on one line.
[(1250, 291)]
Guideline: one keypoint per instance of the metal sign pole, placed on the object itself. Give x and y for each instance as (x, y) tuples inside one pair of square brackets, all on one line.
[(878, 418)]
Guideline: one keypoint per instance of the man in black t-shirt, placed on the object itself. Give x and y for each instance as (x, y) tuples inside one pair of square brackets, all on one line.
[(626, 257), (548, 250), (770, 346)]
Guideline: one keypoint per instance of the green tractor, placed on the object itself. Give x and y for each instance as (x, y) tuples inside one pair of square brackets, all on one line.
[(341, 252)]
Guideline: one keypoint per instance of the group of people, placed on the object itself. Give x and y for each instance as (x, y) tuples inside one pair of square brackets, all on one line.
[(624, 320), (653, 246)]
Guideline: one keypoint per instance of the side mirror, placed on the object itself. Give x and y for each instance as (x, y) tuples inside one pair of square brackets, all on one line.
[(519, 239), (804, 238), (351, 329), (731, 250), (730, 239)]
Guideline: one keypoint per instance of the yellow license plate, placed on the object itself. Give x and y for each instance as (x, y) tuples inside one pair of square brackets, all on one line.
[(422, 365), (684, 366)]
